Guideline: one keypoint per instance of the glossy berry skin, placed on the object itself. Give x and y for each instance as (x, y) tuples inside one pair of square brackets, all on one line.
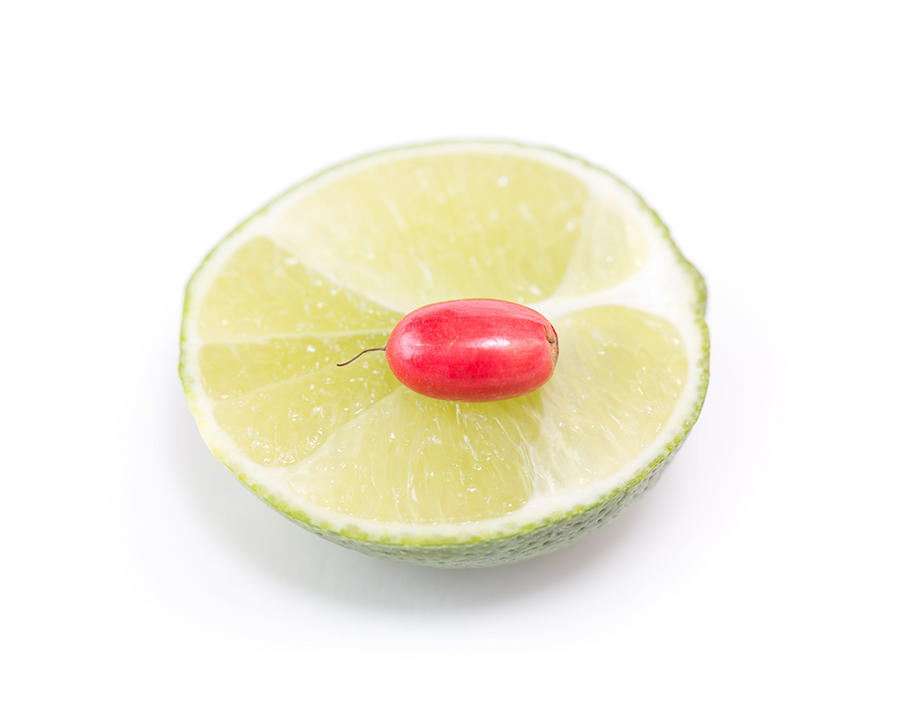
[(473, 350)]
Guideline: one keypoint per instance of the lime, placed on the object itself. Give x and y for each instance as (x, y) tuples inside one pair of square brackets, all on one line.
[(328, 268)]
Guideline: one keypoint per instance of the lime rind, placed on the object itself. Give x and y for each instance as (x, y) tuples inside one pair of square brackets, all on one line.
[(469, 546)]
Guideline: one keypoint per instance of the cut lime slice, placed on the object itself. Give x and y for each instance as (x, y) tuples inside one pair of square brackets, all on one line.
[(328, 269)]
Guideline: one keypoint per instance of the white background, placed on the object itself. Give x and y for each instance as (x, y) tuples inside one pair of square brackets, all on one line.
[(762, 580)]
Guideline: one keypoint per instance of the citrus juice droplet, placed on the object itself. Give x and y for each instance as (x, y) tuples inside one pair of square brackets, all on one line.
[(473, 350)]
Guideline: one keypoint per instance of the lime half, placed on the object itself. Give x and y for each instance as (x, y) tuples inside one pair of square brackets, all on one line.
[(328, 268)]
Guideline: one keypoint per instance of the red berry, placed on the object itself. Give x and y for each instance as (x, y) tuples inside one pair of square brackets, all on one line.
[(473, 350)]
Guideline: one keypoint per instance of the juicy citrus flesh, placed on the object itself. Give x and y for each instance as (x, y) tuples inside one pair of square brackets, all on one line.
[(339, 261)]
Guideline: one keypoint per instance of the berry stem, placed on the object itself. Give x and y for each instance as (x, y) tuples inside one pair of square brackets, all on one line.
[(373, 349)]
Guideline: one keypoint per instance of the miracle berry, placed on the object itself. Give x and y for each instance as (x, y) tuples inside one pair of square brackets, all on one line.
[(472, 350)]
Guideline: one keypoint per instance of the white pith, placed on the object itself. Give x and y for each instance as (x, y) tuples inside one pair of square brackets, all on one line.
[(665, 286)]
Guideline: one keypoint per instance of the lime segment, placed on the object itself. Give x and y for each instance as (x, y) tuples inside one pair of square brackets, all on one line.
[(411, 231), (263, 290)]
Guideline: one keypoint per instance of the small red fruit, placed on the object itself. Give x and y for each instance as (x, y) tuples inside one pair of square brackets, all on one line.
[(473, 350)]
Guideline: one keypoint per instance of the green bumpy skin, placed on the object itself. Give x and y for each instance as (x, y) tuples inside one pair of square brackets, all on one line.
[(541, 540)]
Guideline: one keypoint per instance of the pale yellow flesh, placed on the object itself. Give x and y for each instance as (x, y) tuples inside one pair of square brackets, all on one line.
[(351, 440)]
